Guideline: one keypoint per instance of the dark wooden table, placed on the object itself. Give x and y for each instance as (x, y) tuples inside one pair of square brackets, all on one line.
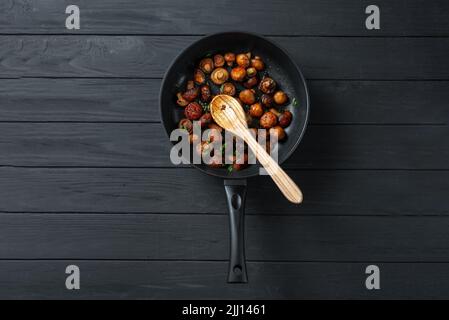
[(85, 177)]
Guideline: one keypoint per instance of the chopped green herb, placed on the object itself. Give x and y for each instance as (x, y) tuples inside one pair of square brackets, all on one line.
[(294, 102), (230, 168), (208, 55), (205, 106)]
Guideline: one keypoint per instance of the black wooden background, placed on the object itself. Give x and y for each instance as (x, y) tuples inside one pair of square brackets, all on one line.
[(85, 177)]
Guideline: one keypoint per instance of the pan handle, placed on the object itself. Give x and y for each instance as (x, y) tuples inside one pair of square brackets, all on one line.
[(236, 196)]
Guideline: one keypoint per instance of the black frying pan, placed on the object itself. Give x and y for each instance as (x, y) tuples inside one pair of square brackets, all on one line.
[(285, 72)]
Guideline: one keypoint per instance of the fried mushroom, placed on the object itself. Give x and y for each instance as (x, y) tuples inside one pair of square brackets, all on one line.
[(207, 65), (193, 111), (247, 96), (229, 58), (219, 76), (256, 110), (285, 119), (257, 63), (219, 60), (277, 132), (267, 85), (186, 124), (242, 59), (181, 101), (228, 88), (191, 94), (206, 94), (280, 97), (238, 74), (199, 77), (268, 120), (266, 100)]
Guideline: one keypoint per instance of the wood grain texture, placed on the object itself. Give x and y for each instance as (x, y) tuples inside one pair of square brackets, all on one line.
[(307, 17), (357, 58), (205, 280), (205, 237), (80, 100), (147, 145), (170, 191), (136, 100)]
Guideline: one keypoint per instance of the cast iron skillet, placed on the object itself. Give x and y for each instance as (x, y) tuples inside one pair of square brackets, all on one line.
[(285, 72)]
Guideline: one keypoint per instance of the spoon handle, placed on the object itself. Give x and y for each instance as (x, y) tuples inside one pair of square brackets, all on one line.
[(287, 186)]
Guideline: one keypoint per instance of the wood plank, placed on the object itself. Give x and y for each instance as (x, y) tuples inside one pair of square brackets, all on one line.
[(136, 100), (170, 191), (88, 100), (149, 56), (379, 102), (147, 145), (307, 17), (205, 237), (206, 280)]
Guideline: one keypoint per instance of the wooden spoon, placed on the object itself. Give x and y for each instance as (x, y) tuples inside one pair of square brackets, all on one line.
[(228, 114)]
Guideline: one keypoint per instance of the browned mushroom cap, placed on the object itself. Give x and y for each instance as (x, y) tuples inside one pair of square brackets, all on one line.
[(251, 82), (280, 97), (228, 88), (268, 120), (229, 58), (257, 63), (207, 65), (181, 101), (267, 85), (238, 73), (186, 124), (256, 110), (219, 76), (266, 100), (285, 119), (206, 94), (219, 60), (191, 94), (277, 132), (199, 76), (242, 59), (247, 96), (193, 111)]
